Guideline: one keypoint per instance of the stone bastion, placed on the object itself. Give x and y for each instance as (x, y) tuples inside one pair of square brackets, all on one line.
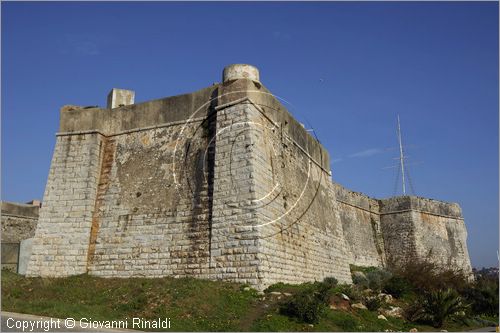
[(222, 183)]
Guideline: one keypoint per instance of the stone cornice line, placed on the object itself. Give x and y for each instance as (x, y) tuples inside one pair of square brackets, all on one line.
[(139, 129), (20, 216), (358, 207), (400, 211), (424, 212)]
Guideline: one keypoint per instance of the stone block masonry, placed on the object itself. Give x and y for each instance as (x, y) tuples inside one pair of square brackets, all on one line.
[(61, 243), (18, 224), (18, 221), (222, 183), (415, 227), (361, 221)]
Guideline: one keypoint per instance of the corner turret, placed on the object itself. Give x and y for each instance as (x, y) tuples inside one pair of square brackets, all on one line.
[(240, 71)]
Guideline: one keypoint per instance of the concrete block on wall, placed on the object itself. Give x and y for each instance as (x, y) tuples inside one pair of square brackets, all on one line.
[(10, 256), (120, 97), (24, 255)]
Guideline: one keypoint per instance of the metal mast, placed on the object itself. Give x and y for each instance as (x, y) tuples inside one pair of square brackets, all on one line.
[(401, 157)]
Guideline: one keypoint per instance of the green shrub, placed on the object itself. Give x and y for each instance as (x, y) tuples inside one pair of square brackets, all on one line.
[(351, 291), (426, 276), (369, 277), (452, 278), (309, 304), (331, 282), (363, 269), (325, 289), (397, 286), (288, 288), (377, 279), (373, 303), (305, 306), (276, 286), (341, 289), (360, 281), (483, 296), (414, 311), (439, 305)]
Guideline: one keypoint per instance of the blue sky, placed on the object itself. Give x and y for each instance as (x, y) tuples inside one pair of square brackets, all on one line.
[(346, 68)]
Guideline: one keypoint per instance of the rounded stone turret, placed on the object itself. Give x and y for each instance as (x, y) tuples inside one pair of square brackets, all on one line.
[(240, 71)]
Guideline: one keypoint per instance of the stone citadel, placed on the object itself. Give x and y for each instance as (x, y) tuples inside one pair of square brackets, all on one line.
[(222, 183)]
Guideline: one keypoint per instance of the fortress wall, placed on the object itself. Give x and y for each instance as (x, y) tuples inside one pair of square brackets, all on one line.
[(221, 183), (360, 217), (398, 232), (165, 200), (175, 109), (426, 229), (190, 218), (152, 207), (297, 135), (60, 245), (182, 216), (234, 241), (18, 221), (442, 239), (300, 233)]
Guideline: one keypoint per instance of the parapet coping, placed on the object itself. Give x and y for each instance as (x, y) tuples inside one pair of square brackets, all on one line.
[(400, 211), (422, 211), (27, 205), (20, 216), (199, 119), (261, 110), (21, 210), (139, 129)]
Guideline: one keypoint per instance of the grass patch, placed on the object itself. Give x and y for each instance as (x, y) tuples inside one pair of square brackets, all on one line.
[(192, 304), (289, 288)]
